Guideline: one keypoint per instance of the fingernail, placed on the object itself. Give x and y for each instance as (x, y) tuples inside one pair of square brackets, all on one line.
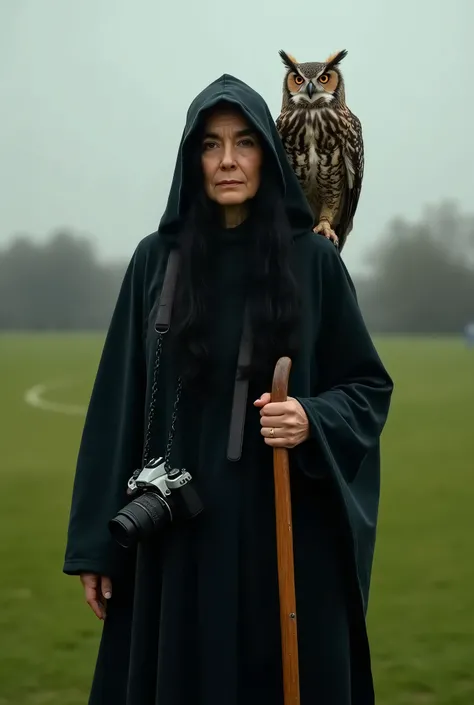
[(107, 595)]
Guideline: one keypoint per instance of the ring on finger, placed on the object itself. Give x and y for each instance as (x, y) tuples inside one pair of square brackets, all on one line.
[(272, 433)]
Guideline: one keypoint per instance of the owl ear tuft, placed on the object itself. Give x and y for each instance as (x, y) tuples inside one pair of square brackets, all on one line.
[(336, 58), (288, 60)]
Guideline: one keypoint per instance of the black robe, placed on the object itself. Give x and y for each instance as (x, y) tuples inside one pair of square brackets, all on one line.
[(194, 617)]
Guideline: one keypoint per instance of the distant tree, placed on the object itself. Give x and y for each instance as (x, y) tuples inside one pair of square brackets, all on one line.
[(18, 275), (423, 274), (421, 280), (59, 285)]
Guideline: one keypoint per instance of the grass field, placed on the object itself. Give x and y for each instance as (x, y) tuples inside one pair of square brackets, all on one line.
[(422, 602)]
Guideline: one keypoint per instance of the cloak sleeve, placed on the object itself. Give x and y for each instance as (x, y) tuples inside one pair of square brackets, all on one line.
[(348, 414), (112, 438)]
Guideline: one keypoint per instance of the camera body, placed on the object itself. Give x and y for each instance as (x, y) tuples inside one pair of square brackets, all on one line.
[(154, 477), (163, 497)]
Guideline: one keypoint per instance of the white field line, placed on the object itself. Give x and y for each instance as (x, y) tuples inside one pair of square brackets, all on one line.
[(35, 397)]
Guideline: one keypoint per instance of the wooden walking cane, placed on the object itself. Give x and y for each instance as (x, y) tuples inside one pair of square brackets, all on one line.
[(284, 536)]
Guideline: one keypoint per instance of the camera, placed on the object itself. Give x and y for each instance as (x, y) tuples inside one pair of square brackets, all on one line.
[(164, 497)]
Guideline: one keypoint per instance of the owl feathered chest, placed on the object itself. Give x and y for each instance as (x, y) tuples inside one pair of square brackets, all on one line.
[(314, 141)]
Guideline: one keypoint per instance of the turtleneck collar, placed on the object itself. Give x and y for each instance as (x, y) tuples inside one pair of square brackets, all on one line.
[(240, 234)]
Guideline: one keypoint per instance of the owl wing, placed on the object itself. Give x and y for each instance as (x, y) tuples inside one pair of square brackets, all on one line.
[(354, 160), (278, 123), (281, 124)]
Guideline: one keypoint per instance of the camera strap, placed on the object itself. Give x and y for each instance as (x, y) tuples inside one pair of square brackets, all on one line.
[(162, 324), (239, 404), (241, 387), (165, 303)]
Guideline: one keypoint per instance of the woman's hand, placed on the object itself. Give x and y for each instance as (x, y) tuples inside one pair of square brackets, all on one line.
[(284, 424), (97, 590)]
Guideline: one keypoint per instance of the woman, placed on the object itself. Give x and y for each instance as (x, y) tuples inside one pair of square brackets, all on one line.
[(192, 612)]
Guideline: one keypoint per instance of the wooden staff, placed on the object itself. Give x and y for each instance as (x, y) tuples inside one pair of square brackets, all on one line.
[(284, 536)]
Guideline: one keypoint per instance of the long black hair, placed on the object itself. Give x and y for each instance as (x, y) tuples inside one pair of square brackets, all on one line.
[(274, 303)]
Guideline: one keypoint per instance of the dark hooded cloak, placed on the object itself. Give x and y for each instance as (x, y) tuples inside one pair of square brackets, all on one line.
[(194, 615)]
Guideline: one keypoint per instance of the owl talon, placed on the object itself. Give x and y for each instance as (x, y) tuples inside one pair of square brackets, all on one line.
[(325, 229)]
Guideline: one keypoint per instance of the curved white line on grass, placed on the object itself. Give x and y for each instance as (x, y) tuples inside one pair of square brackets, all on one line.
[(35, 397)]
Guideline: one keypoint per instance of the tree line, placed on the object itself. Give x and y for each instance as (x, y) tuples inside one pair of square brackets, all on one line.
[(56, 286), (421, 275), (420, 279)]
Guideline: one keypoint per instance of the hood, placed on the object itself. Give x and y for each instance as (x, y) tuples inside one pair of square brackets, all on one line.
[(234, 91)]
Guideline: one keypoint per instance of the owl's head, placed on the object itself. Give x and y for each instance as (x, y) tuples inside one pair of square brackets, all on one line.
[(313, 84)]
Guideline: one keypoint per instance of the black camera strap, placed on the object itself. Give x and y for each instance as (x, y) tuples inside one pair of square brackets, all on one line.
[(165, 303), (239, 405), (241, 387), (162, 324)]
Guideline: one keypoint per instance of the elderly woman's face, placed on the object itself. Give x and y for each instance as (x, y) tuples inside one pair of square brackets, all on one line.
[(231, 158)]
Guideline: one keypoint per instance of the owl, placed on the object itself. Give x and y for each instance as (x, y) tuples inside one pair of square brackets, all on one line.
[(323, 141)]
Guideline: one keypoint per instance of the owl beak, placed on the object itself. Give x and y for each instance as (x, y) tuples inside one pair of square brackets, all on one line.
[(310, 89)]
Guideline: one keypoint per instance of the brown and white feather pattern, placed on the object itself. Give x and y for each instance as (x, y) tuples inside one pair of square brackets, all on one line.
[(323, 141), (325, 148)]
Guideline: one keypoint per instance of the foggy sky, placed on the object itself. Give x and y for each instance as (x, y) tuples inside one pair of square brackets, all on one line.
[(94, 93)]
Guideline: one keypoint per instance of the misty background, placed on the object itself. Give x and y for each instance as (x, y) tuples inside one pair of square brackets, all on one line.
[(93, 102), (93, 98)]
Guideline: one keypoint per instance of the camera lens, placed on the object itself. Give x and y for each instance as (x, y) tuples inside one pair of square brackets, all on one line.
[(139, 519)]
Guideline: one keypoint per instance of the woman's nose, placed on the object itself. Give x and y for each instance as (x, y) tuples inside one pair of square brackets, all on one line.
[(228, 158)]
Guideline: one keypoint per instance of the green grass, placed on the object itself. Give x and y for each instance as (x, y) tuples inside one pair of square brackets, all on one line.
[(422, 605), (422, 600)]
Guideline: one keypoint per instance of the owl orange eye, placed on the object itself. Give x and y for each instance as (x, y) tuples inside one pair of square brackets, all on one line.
[(299, 80), (324, 78)]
